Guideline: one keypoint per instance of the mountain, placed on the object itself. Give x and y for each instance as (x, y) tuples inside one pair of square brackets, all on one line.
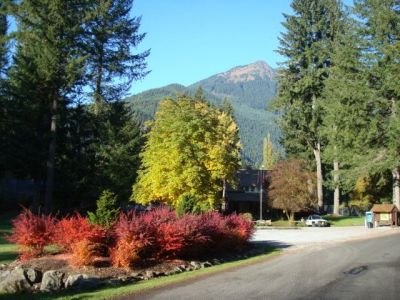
[(249, 88)]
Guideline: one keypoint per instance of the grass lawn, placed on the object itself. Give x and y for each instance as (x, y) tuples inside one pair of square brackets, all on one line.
[(106, 293), (341, 221), (8, 252)]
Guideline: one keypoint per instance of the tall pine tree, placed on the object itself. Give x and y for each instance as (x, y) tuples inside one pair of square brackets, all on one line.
[(112, 36), (380, 28), (306, 45), (346, 123), (50, 35)]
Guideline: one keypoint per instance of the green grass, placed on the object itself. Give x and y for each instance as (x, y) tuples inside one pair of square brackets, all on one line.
[(109, 292), (341, 221), (8, 252)]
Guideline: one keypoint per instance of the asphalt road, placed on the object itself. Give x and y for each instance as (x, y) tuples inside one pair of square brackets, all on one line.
[(364, 269)]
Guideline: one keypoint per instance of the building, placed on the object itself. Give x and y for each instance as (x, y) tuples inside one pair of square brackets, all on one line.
[(245, 198), (385, 214)]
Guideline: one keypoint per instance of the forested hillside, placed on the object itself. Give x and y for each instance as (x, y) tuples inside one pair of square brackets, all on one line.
[(249, 88)]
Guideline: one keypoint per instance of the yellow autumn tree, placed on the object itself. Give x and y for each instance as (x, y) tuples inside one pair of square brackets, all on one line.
[(190, 149)]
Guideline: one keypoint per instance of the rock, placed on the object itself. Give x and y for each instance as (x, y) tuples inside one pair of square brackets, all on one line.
[(195, 265), (160, 274), (206, 264), (137, 276), (183, 268), (82, 282), (113, 282), (52, 281), (15, 281), (216, 261), (177, 270), (4, 274), (33, 275), (149, 275)]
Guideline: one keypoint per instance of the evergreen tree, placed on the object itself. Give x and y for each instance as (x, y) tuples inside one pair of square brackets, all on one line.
[(269, 155), (3, 42), (50, 35), (3, 65), (380, 29), (112, 35), (227, 107), (117, 150), (347, 112), (306, 45)]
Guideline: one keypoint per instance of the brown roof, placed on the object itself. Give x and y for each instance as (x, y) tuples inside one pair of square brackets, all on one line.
[(383, 208)]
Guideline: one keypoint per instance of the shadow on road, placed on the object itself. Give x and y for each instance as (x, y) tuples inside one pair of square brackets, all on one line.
[(272, 244)]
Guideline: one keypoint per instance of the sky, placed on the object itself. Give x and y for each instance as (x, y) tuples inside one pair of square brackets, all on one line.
[(193, 39)]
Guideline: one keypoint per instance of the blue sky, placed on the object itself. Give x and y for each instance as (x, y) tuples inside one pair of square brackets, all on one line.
[(191, 40)]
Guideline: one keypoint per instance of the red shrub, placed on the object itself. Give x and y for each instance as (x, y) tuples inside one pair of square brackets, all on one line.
[(83, 240), (134, 240), (74, 229), (170, 239), (84, 252), (32, 233), (195, 242), (160, 234), (240, 230), (125, 253)]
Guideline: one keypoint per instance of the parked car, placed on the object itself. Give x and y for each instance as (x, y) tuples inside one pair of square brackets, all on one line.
[(316, 220)]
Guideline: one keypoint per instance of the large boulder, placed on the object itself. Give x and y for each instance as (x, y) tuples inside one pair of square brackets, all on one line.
[(82, 282), (18, 280), (52, 281)]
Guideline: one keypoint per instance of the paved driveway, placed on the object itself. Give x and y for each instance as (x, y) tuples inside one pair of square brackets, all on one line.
[(318, 236), (363, 269)]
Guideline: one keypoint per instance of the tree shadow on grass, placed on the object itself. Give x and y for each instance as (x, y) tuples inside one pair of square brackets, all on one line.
[(6, 257)]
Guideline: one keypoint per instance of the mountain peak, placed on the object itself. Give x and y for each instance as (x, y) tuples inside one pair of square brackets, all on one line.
[(249, 72)]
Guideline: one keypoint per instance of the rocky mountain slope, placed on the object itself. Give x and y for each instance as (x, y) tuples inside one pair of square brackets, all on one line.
[(249, 88)]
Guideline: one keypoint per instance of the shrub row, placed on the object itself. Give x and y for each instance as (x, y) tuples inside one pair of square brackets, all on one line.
[(157, 234)]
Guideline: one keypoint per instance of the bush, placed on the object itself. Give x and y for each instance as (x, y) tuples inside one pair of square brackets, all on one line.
[(186, 204), (74, 229), (239, 229), (32, 233), (83, 240), (195, 242), (161, 234), (84, 252), (107, 210)]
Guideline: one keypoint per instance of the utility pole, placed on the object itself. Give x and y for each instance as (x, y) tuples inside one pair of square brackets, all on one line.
[(261, 190)]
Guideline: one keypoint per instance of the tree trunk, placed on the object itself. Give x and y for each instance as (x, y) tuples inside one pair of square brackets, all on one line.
[(48, 197), (98, 93), (224, 201), (336, 196), (317, 155), (396, 187)]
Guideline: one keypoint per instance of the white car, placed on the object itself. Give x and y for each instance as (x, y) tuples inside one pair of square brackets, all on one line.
[(316, 220)]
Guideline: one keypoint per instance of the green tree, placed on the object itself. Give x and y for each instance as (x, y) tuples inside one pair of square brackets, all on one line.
[(307, 46), (380, 29), (3, 41), (269, 154), (346, 124), (3, 66), (189, 150), (49, 34), (117, 150), (107, 210), (112, 35)]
